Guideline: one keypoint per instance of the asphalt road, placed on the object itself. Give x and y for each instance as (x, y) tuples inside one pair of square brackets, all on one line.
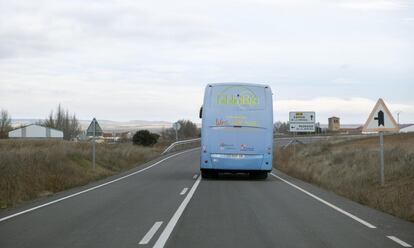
[(166, 204)]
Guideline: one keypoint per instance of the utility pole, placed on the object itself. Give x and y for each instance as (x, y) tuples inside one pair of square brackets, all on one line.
[(398, 117)]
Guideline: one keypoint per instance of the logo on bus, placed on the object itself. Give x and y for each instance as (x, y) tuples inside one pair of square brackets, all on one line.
[(235, 95)]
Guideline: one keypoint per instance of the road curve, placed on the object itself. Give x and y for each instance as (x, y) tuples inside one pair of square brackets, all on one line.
[(167, 205)]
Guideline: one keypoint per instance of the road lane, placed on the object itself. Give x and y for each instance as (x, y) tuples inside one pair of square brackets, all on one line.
[(116, 215), (234, 211)]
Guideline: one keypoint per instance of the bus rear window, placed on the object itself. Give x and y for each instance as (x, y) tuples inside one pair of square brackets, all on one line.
[(238, 97)]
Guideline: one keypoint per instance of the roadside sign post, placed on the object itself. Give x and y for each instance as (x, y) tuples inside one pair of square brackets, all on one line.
[(93, 147), (294, 145), (303, 122), (176, 127), (381, 120), (381, 134), (94, 130)]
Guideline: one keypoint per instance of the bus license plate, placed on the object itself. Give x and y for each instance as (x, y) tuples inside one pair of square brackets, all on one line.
[(238, 156)]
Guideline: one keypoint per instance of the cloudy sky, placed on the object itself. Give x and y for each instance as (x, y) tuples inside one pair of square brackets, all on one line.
[(150, 60)]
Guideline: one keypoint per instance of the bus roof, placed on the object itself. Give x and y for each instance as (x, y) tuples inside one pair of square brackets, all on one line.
[(236, 83)]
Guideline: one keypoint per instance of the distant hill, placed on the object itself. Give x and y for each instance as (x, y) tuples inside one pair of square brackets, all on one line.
[(343, 125), (134, 125), (109, 125)]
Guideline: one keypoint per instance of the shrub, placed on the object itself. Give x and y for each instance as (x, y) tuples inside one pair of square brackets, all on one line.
[(5, 124), (145, 138)]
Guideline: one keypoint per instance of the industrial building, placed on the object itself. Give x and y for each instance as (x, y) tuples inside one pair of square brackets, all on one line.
[(408, 128), (35, 132), (333, 124)]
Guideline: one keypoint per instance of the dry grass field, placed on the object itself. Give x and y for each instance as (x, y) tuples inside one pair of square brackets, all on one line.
[(351, 169), (33, 168)]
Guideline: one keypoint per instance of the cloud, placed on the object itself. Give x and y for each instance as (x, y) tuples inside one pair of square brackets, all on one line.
[(409, 19), (344, 81), (151, 59), (73, 26), (345, 67), (373, 4)]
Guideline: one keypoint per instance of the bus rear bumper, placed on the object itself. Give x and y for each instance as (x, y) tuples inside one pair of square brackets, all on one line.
[(236, 162)]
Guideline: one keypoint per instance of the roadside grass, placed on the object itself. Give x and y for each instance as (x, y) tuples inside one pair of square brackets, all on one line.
[(351, 169), (35, 168)]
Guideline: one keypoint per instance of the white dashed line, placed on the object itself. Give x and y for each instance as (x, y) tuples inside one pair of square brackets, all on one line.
[(171, 224), (195, 176), (183, 191), (399, 241), (363, 222), (147, 238)]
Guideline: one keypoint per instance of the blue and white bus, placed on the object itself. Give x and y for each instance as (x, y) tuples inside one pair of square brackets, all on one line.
[(237, 129)]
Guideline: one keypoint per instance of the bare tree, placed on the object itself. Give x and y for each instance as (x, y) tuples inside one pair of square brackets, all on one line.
[(5, 124), (188, 130), (281, 127), (63, 121)]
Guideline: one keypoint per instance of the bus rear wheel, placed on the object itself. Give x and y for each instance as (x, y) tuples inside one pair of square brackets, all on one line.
[(258, 175), (209, 174)]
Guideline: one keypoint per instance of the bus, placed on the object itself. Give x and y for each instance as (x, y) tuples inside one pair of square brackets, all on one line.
[(237, 130)]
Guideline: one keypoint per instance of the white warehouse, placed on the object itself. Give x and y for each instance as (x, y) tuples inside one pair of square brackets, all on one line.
[(407, 128), (35, 132)]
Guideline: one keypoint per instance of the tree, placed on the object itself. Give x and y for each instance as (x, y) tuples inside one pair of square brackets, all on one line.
[(188, 130), (5, 124), (145, 138), (63, 121), (281, 127)]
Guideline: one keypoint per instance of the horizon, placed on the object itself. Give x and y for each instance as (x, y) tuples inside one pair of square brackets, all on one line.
[(14, 120)]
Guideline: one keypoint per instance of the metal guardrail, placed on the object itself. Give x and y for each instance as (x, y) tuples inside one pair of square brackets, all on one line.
[(290, 140), (323, 137), (287, 141), (180, 143)]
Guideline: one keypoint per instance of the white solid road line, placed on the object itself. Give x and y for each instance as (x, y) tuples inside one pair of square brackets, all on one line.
[(399, 241), (146, 239), (90, 189), (171, 224), (363, 222), (183, 191)]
